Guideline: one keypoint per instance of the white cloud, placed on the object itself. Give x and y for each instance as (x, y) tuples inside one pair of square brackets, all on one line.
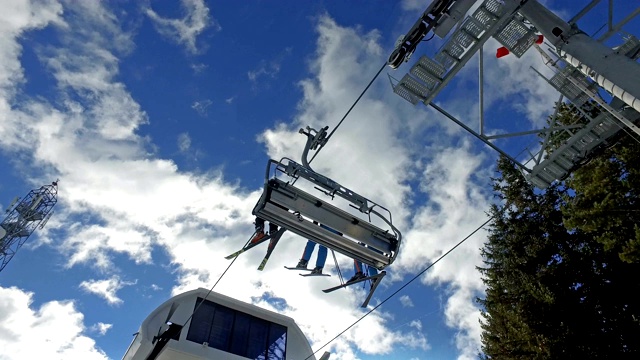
[(455, 209), (405, 300), (415, 5), (461, 313), (229, 100), (106, 288), (185, 31), (184, 142), (110, 176), (268, 69), (17, 18), (450, 204), (141, 201), (56, 327), (199, 68), (519, 86), (201, 106), (101, 328), (417, 324), (343, 65)]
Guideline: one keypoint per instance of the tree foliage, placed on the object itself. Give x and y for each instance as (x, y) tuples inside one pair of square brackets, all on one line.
[(568, 115), (561, 265), (606, 204)]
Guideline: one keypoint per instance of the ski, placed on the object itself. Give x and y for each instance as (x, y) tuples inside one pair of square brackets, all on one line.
[(305, 275), (247, 247), (235, 254), (326, 291), (263, 263), (297, 268), (380, 275), (272, 245), (374, 285)]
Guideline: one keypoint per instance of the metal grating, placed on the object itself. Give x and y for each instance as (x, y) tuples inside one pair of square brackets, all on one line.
[(463, 38), (565, 161), (406, 94), (556, 169), (570, 153), (488, 13), (632, 43), (540, 180), (433, 67), (494, 6), (445, 59), (516, 37), (473, 27), (589, 137), (428, 71), (572, 92), (484, 17), (575, 151), (469, 33), (411, 90), (454, 50), (604, 125), (428, 78), (581, 146)]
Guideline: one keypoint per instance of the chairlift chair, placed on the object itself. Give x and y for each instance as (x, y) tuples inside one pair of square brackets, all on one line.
[(291, 208), (288, 206)]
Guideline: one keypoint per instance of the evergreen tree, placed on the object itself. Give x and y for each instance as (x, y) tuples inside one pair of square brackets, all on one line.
[(606, 203), (559, 271), (522, 258)]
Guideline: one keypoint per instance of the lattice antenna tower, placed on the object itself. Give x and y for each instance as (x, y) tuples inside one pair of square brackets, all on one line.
[(24, 217)]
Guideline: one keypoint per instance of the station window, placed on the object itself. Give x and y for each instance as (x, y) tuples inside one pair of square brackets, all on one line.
[(238, 333)]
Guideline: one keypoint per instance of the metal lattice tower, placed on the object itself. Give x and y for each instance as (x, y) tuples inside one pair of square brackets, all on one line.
[(23, 217)]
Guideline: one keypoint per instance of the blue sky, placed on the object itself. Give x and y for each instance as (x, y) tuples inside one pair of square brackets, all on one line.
[(158, 118)]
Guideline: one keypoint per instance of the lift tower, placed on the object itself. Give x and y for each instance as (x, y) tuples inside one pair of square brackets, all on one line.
[(585, 69), (23, 217)]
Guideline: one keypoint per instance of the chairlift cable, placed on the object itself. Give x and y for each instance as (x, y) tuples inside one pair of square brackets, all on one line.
[(216, 283), (349, 111), (404, 286)]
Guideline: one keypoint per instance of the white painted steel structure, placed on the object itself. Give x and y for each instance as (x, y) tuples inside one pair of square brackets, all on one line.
[(219, 331), (589, 67)]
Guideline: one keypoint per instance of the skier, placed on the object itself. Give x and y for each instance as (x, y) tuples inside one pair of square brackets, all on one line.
[(260, 234), (359, 273), (322, 254)]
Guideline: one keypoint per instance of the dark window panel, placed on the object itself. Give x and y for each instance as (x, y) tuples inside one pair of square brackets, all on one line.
[(277, 342), (201, 322), (221, 328), (240, 335), (258, 339), (236, 332)]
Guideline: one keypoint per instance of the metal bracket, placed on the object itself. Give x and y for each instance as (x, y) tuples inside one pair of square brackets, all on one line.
[(315, 141)]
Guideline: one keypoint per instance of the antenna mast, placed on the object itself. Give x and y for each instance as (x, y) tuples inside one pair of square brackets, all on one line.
[(33, 211)]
